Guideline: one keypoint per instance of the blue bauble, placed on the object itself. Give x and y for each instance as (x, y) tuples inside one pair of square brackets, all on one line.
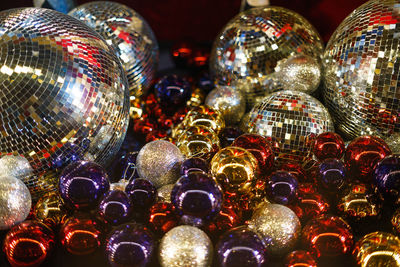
[(386, 178), (332, 175), (142, 193), (172, 91), (116, 207), (282, 187)]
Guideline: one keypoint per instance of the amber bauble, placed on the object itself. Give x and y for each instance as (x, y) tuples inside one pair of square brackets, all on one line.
[(300, 258), (377, 249), (50, 210), (81, 235), (163, 217), (206, 116), (198, 141), (327, 236), (328, 145), (362, 154), (28, 244)]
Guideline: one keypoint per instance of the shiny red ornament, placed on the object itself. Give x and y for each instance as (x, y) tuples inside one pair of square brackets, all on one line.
[(199, 57), (296, 170), (259, 147), (274, 144), (163, 217), (362, 154), (328, 145), (81, 235), (327, 236), (228, 217), (156, 135), (182, 53), (28, 244), (300, 258)]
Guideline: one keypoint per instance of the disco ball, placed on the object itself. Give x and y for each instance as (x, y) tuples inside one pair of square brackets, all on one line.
[(257, 46), (130, 36), (63, 93), (361, 64), (294, 119)]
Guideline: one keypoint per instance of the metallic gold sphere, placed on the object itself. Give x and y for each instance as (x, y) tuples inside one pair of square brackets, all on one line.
[(198, 141), (361, 71), (294, 119), (278, 225), (255, 42), (185, 246), (130, 36), (50, 210), (205, 116), (377, 249), (63, 93)]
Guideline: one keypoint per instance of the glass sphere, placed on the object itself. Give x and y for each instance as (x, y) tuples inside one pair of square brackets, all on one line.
[(282, 187), (332, 175), (299, 258), (115, 207), (142, 194), (50, 210), (163, 217), (386, 178), (194, 164), (328, 145), (172, 91)]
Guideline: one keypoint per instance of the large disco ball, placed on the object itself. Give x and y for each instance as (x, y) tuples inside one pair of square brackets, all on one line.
[(63, 93), (361, 64), (258, 48), (294, 119), (130, 36)]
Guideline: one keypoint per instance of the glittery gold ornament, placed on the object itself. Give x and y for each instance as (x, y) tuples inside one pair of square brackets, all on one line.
[(377, 249), (50, 210), (159, 162), (236, 169), (278, 225), (361, 72), (197, 98), (164, 193), (16, 166), (253, 44), (294, 119), (185, 246), (198, 141)]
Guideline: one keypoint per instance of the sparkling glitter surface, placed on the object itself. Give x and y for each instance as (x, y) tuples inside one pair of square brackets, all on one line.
[(61, 85), (294, 119), (255, 42), (16, 166), (164, 193), (129, 34), (185, 246), (361, 64)]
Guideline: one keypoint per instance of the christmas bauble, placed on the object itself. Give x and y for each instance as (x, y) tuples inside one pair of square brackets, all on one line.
[(172, 91), (386, 178), (50, 210), (75, 99), (130, 36), (294, 119), (163, 217), (142, 194), (282, 187), (15, 166), (328, 145), (299, 258), (252, 46), (360, 87), (115, 208), (194, 164)]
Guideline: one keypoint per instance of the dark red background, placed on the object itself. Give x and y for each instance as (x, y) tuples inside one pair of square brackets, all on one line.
[(201, 20)]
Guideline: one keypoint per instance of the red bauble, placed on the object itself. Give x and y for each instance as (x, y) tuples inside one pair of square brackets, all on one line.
[(327, 236), (328, 145), (228, 217), (362, 154), (296, 170), (28, 244), (300, 258), (259, 147), (274, 144), (163, 217), (81, 235)]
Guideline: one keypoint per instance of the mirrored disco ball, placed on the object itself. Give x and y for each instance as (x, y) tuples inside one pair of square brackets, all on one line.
[(130, 36), (254, 47), (294, 119), (361, 63), (63, 93)]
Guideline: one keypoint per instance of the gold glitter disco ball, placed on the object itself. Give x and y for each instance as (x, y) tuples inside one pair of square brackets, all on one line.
[(294, 119), (361, 65), (258, 47), (129, 34), (63, 93)]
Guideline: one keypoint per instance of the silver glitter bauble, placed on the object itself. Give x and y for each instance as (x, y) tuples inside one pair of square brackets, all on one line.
[(278, 226), (61, 86), (164, 193), (15, 166), (229, 101), (185, 246), (294, 119), (129, 34), (361, 71), (251, 46), (159, 162), (15, 201)]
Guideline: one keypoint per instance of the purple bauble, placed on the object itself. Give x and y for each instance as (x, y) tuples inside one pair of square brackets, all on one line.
[(332, 175), (386, 178), (194, 164), (197, 197), (125, 167), (116, 207), (130, 244), (142, 193), (282, 187), (241, 247), (228, 135), (82, 184), (173, 91)]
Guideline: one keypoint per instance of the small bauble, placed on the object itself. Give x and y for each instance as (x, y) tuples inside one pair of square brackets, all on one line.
[(142, 194), (82, 184), (386, 178), (116, 207), (205, 116), (332, 176), (172, 91), (162, 217), (328, 145), (16, 166), (194, 164), (299, 258), (159, 162), (282, 187), (50, 210), (185, 246), (198, 141), (228, 217)]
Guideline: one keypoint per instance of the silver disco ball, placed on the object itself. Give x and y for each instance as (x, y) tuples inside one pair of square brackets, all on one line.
[(294, 119), (130, 36), (361, 64), (63, 93), (267, 49)]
